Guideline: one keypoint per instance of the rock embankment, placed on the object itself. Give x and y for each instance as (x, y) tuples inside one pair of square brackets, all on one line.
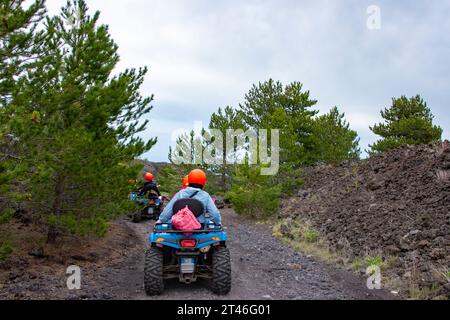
[(396, 204)]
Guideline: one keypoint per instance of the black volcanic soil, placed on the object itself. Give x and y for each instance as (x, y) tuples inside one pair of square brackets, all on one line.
[(262, 268), (396, 204)]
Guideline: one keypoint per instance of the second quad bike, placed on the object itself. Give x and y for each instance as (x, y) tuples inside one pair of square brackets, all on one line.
[(150, 208), (187, 255)]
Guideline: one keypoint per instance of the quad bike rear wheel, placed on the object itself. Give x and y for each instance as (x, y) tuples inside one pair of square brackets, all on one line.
[(137, 217), (221, 271), (153, 272)]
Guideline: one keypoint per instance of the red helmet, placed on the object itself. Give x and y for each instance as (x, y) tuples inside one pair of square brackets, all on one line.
[(185, 181), (148, 176), (197, 176)]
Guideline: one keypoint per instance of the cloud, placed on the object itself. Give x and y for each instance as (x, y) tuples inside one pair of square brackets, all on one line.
[(203, 55)]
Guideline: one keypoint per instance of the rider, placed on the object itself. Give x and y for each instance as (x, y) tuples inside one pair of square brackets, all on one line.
[(150, 187), (197, 180), (185, 182)]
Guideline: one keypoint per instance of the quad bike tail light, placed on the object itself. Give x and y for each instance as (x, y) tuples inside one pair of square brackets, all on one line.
[(188, 243)]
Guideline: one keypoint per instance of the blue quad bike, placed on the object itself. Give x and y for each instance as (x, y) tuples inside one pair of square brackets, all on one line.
[(187, 256), (150, 208)]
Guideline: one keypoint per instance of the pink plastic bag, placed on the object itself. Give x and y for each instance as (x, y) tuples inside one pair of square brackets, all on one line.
[(185, 220)]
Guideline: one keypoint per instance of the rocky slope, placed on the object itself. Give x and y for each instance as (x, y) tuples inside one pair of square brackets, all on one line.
[(392, 205)]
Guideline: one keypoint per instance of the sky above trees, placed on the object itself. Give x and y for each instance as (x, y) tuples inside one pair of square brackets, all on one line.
[(203, 55)]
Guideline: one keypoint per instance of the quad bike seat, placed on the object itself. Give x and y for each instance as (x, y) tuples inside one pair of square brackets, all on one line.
[(194, 205)]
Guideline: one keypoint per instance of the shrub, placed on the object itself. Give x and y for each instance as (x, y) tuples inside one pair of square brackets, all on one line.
[(311, 235), (302, 237), (170, 178), (254, 195), (255, 201), (6, 216), (5, 250), (369, 261), (95, 225)]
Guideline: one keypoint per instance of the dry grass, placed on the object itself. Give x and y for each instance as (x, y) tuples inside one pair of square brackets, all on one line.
[(293, 233), (302, 237), (373, 260)]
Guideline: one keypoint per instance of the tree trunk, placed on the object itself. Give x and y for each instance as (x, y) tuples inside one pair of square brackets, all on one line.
[(224, 171), (52, 233)]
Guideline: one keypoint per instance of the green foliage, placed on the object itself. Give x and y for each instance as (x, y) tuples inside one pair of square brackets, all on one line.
[(270, 105), (253, 194), (213, 184), (368, 261), (19, 46), (332, 140), (6, 250), (302, 237), (19, 42), (6, 216), (223, 120), (170, 179), (374, 261), (187, 155), (77, 120), (407, 121), (289, 178), (94, 225), (296, 230), (304, 140), (311, 235), (189, 150)]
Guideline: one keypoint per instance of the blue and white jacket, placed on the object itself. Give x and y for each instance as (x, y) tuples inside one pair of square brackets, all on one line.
[(202, 196)]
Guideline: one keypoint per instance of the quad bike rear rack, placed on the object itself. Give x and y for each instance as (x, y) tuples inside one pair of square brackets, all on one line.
[(188, 231)]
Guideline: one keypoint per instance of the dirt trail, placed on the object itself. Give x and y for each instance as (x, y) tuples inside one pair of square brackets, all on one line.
[(262, 268)]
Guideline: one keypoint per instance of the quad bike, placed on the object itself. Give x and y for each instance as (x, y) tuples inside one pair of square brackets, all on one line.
[(187, 255), (151, 207)]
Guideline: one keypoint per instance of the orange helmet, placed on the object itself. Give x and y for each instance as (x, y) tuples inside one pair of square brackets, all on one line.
[(197, 176), (148, 176), (185, 181)]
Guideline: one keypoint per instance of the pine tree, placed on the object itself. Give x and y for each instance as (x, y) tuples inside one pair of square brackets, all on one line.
[(19, 47), (170, 178), (270, 105), (407, 121), (253, 194), (83, 121), (223, 120), (188, 150), (332, 140), (19, 43)]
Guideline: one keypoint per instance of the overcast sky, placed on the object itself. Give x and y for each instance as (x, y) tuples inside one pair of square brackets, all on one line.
[(206, 54)]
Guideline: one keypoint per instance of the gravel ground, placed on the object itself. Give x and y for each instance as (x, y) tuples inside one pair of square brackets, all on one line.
[(262, 268)]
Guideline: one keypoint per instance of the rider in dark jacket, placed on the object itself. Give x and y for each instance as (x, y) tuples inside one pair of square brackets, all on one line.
[(149, 187)]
